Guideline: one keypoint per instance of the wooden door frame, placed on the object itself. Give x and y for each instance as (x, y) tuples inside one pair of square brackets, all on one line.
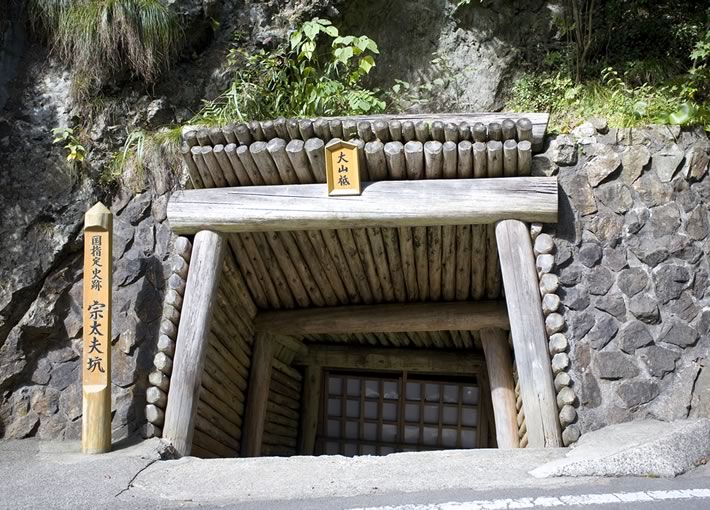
[(507, 202)]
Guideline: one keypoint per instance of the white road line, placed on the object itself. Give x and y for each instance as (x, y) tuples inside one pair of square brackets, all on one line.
[(556, 501)]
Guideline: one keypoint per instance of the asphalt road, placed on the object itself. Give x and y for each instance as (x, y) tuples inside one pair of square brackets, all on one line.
[(691, 491)]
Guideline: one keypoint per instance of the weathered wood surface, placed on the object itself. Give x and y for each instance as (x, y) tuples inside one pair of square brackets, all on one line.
[(413, 360), (495, 131), (268, 131), (193, 338), (384, 203), (311, 405), (500, 379), (538, 121), (159, 380), (436, 126), (524, 158), (96, 351), (281, 433), (528, 331), (192, 169), (258, 395), (460, 316), (163, 362), (255, 164), (156, 396), (424, 339), (154, 415)]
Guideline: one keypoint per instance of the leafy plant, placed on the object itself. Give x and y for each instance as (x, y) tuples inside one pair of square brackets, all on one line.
[(101, 37), (318, 72), (696, 89), (76, 152)]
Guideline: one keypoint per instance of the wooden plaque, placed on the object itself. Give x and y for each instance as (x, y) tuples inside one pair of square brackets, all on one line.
[(96, 355), (342, 169)]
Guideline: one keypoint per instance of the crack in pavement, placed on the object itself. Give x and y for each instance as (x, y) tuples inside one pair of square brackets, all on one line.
[(130, 482), (163, 452)]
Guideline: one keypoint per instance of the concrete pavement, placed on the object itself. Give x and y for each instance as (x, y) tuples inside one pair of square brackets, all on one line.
[(38, 474), (640, 448), (34, 474)]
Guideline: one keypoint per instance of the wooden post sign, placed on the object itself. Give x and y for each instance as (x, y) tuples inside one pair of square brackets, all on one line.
[(96, 356), (342, 169)]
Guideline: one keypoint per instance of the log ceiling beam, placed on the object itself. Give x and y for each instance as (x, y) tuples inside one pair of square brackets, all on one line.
[(382, 204), (412, 360), (389, 318)]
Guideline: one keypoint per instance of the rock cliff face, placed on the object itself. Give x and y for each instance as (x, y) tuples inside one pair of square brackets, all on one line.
[(471, 50)]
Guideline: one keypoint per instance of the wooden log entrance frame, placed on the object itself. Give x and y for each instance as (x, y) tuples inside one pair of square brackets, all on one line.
[(506, 202)]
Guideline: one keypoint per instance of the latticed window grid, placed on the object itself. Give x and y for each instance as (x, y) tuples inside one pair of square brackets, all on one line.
[(377, 414)]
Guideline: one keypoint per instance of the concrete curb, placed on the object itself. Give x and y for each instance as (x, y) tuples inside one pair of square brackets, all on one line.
[(642, 448)]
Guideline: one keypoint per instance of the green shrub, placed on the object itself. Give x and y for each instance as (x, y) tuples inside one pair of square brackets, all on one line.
[(641, 92), (317, 73), (102, 37), (610, 97)]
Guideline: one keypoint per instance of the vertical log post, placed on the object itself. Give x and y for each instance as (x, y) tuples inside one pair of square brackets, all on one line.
[(311, 403), (258, 395), (527, 326), (500, 377), (192, 339), (96, 356)]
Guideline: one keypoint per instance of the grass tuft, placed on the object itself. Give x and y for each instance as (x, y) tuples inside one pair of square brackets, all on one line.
[(99, 37)]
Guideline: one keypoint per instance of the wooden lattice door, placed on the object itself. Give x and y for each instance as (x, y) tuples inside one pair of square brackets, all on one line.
[(381, 413)]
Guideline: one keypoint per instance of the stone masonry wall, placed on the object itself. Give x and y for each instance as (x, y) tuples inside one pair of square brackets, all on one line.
[(631, 254)]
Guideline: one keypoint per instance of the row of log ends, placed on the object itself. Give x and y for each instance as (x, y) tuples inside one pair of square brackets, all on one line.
[(223, 392), (381, 129), (298, 162), (156, 394)]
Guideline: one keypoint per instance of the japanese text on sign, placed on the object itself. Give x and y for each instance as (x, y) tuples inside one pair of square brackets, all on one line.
[(96, 351), (96, 307), (342, 169)]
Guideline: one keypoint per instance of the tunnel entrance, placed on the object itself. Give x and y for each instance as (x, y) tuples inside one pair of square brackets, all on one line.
[(359, 325)]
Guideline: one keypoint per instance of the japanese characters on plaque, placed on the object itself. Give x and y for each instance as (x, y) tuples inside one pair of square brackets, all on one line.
[(97, 301), (342, 169)]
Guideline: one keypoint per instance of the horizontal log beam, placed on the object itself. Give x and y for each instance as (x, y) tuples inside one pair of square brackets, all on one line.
[(383, 204), (391, 318), (412, 360)]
